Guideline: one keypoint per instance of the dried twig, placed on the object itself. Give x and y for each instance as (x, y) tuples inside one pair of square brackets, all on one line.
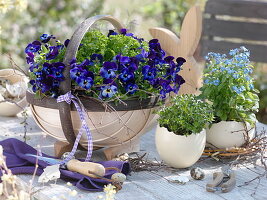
[(14, 64), (141, 163), (25, 124)]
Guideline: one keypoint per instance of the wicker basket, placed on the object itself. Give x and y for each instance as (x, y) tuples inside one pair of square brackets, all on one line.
[(109, 127)]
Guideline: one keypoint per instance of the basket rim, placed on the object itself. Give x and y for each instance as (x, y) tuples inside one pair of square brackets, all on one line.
[(92, 104)]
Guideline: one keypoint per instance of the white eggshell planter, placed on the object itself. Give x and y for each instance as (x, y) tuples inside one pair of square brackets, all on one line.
[(229, 134), (9, 109), (179, 151)]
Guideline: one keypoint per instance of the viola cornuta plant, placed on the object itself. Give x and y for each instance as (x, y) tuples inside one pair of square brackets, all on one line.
[(117, 65), (228, 84)]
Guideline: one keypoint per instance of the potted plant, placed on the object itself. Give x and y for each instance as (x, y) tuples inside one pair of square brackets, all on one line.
[(228, 85), (116, 72), (180, 135)]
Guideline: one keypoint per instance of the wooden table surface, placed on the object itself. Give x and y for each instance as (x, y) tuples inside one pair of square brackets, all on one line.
[(141, 185)]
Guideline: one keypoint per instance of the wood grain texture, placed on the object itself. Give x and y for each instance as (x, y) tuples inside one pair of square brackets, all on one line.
[(234, 29), (238, 8), (184, 46), (258, 52), (141, 185), (241, 33)]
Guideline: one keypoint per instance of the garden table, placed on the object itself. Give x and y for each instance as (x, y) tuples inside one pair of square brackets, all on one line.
[(145, 185)]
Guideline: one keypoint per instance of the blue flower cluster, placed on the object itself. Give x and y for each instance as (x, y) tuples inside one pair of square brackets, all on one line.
[(150, 70), (45, 76), (238, 90), (228, 85), (233, 70)]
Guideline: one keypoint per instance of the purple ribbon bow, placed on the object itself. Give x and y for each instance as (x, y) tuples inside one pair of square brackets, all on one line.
[(68, 97)]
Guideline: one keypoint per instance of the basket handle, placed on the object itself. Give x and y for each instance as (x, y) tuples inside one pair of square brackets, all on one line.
[(75, 42), (71, 51)]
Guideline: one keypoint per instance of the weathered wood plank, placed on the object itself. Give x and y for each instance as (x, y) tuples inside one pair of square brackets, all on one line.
[(238, 8), (258, 52), (234, 29), (143, 185)]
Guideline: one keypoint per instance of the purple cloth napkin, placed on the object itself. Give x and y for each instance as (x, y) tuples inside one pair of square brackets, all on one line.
[(18, 163)]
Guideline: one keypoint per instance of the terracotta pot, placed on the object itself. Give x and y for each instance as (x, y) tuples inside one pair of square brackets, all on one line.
[(9, 109), (179, 151), (228, 134)]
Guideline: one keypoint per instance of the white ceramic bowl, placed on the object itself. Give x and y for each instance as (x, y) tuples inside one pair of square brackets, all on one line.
[(179, 151), (9, 109), (228, 134)]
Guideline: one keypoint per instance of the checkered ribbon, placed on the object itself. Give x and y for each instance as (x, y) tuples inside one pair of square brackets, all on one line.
[(68, 97)]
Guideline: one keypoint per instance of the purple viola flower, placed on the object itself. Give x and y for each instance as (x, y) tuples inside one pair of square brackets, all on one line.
[(39, 75), (180, 61), (170, 73), (77, 73), (33, 66), (170, 62), (34, 86), (140, 57), (30, 58), (86, 82), (53, 52), (85, 63), (155, 82), (97, 58), (178, 81), (149, 72), (131, 88), (47, 68), (122, 60), (43, 86), (165, 88), (133, 64), (169, 59), (156, 58), (123, 31), (155, 45), (155, 50), (33, 47), (108, 70), (46, 37), (152, 54), (126, 75), (66, 43), (111, 32), (108, 91), (57, 70)]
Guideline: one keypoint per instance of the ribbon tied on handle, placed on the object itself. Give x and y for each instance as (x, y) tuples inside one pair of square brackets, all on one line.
[(68, 98)]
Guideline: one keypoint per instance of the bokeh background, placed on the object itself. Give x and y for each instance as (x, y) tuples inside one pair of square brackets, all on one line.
[(22, 21)]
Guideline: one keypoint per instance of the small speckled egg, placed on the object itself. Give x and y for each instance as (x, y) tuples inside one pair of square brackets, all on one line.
[(65, 155), (197, 173), (122, 157), (118, 177)]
